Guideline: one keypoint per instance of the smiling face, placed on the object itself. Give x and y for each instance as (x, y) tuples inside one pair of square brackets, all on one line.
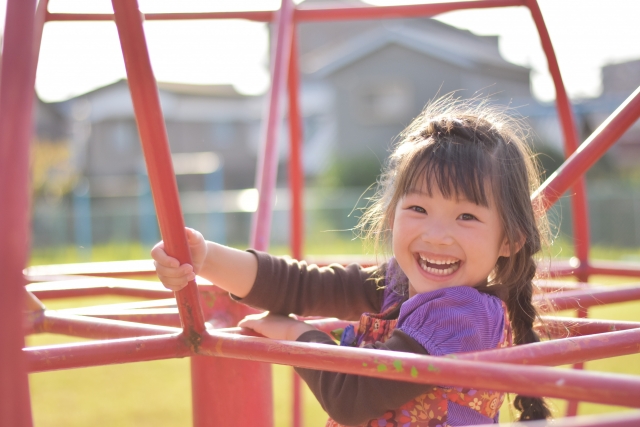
[(444, 242)]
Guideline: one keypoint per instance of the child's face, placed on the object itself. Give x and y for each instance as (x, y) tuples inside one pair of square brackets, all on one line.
[(442, 243)]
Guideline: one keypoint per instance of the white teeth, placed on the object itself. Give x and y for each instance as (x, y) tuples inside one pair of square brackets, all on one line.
[(438, 271), (437, 261)]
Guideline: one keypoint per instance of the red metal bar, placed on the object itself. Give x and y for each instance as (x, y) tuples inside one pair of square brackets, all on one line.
[(33, 315), (218, 385), (155, 145), (268, 156), (153, 316), (548, 286), (103, 269), (309, 15), (240, 392), (108, 352), (591, 297), (296, 184), (602, 342), (40, 19), (563, 351), (98, 286), (590, 150), (296, 174), (555, 327), (572, 405), (612, 268), (579, 211), (563, 327), (533, 381), (627, 419), (259, 16), (388, 12), (121, 307), (16, 103), (87, 327)]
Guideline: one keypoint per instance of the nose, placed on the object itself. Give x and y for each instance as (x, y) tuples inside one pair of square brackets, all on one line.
[(437, 233)]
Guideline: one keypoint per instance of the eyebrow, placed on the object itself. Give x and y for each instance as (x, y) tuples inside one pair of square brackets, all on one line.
[(427, 193)]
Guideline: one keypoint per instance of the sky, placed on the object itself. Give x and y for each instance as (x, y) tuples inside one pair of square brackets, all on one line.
[(77, 57)]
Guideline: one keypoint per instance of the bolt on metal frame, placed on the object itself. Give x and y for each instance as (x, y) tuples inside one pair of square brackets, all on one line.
[(160, 331)]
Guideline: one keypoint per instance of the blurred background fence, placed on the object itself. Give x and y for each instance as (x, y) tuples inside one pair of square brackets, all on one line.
[(82, 221)]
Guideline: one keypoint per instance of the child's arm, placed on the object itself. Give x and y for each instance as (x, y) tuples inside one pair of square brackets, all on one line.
[(231, 269), (280, 285), (276, 326), (355, 399), (348, 399)]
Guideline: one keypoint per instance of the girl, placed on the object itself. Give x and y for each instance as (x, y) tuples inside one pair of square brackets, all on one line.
[(454, 205)]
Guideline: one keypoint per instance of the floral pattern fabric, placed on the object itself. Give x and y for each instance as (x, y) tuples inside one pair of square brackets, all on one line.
[(431, 408)]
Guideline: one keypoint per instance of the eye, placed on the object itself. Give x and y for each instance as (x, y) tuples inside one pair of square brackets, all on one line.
[(467, 217), (418, 209)]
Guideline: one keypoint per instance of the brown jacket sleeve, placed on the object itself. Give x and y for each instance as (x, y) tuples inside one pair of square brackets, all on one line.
[(355, 399), (285, 286)]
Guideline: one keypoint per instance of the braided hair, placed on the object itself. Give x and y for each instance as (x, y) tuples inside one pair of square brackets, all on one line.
[(471, 149)]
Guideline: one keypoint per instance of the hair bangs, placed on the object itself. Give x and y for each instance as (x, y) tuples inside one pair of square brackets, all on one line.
[(457, 169)]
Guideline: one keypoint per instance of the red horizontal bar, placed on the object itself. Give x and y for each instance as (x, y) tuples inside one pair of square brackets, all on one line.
[(549, 353), (93, 286), (564, 351), (386, 12), (628, 419), (562, 327), (259, 16), (126, 306), (152, 316), (533, 380), (96, 328), (611, 389), (109, 352), (561, 285), (104, 269), (613, 268), (558, 327), (590, 151), (591, 297), (307, 15)]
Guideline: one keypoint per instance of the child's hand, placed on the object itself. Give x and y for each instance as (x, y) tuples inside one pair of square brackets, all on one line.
[(275, 326), (173, 275)]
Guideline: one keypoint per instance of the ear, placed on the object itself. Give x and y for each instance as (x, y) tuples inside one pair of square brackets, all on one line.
[(505, 250)]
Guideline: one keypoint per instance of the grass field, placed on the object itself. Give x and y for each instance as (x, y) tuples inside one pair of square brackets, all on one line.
[(158, 393)]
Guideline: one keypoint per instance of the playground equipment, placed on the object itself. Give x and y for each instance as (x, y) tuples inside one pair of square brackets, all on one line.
[(201, 325)]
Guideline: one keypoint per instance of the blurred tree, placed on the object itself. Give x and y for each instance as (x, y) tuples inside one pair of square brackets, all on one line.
[(52, 172), (550, 159), (361, 171)]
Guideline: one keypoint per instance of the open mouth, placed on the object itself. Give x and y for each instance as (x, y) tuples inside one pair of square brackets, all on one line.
[(439, 267)]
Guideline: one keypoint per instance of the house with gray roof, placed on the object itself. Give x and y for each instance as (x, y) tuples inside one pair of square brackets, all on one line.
[(380, 75)]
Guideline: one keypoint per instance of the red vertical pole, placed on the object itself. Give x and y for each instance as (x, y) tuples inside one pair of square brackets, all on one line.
[(296, 174), (572, 405), (155, 145), (211, 379), (567, 121), (16, 104), (268, 156), (296, 185), (579, 207), (229, 392), (41, 18)]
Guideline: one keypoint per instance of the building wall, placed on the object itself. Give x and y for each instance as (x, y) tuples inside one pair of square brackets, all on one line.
[(376, 99)]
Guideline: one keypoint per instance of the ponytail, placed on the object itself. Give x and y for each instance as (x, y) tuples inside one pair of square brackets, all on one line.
[(522, 314)]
